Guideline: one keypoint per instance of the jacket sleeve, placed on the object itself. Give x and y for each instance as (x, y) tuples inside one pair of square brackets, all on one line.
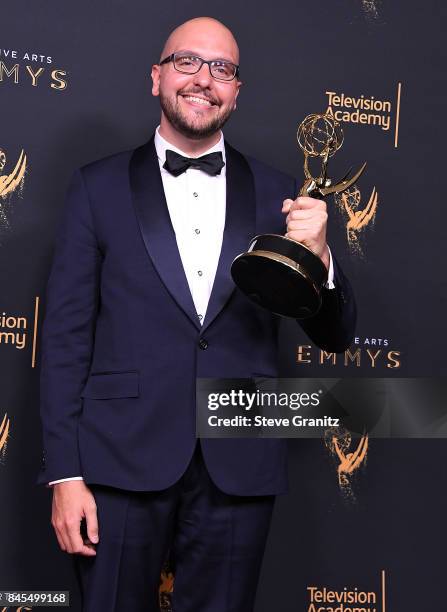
[(72, 299), (333, 327)]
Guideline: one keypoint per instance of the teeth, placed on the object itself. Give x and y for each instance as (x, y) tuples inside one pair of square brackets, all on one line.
[(198, 100)]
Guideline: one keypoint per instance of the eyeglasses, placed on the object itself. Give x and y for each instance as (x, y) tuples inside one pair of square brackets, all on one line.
[(190, 64)]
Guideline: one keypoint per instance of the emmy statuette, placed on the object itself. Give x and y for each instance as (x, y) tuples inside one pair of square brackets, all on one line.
[(280, 274)]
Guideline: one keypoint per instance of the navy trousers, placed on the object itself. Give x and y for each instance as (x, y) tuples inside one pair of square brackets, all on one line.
[(216, 543)]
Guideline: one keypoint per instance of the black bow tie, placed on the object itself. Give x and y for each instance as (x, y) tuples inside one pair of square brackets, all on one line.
[(176, 164)]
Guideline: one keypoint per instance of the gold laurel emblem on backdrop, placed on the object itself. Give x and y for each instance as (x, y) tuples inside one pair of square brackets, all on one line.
[(165, 590), (166, 586), (358, 219), (4, 433), (370, 8), (9, 184), (338, 441)]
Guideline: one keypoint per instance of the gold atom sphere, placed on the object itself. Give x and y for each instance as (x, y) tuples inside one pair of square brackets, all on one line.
[(319, 135)]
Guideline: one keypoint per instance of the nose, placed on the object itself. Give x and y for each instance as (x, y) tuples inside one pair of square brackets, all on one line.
[(203, 76)]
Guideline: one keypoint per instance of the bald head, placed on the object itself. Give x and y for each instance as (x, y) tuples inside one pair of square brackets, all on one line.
[(200, 35)]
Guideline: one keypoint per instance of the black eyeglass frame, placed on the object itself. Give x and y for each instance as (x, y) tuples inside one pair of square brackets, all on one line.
[(171, 58)]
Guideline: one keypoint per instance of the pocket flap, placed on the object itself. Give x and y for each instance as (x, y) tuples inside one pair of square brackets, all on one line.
[(111, 385)]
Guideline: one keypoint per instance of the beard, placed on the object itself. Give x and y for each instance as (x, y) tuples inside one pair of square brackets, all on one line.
[(188, 127)]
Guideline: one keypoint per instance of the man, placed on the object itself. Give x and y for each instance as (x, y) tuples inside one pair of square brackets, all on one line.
[(140, 302)]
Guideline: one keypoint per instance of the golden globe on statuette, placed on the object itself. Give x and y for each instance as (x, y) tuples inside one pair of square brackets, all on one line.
[(280, 274)]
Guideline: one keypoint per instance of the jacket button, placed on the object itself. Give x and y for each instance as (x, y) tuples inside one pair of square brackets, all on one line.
[(203, 344), (43, 459)]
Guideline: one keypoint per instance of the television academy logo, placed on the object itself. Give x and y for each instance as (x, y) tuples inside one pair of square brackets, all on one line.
[(352, 599), (15, 331), (366, 111)]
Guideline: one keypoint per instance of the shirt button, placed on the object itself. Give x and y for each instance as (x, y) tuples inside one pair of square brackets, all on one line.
[(195, 194), (200, 273), (197, 231), (200, 317), (203, 344)]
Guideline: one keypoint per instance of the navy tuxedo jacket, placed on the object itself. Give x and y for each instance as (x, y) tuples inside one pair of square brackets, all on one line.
[(121, 342)]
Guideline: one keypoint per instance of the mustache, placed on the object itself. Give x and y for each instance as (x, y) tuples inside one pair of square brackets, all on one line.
[(204, 94)]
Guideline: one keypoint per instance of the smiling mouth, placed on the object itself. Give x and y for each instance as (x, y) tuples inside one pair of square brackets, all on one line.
[(196, 100)]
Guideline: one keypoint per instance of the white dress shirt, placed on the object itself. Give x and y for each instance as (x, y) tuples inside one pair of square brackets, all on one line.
[(196, 202)]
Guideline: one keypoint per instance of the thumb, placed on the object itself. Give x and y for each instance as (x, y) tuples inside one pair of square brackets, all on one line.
[(92, 524)]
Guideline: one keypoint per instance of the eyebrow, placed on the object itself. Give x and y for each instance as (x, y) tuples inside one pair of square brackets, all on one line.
[(217, 59)]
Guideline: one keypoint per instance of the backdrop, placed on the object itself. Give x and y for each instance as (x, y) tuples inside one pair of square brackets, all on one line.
[(75, 87)]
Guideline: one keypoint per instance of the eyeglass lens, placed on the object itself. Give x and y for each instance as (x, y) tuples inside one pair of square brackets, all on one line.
[(191, 64)]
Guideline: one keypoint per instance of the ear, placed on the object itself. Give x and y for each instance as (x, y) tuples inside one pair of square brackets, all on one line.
[(155, 74), (238, 85)]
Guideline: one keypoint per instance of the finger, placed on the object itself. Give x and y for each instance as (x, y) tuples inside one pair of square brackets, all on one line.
[(286, 205), (316, 211), (88, 550), (76, 543), (318, 225), (88, 544), (306, 202), (92, 523), (304, 230), (298, 214)]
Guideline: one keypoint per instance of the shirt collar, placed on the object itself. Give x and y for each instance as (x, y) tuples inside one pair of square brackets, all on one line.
[(161, 145)]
